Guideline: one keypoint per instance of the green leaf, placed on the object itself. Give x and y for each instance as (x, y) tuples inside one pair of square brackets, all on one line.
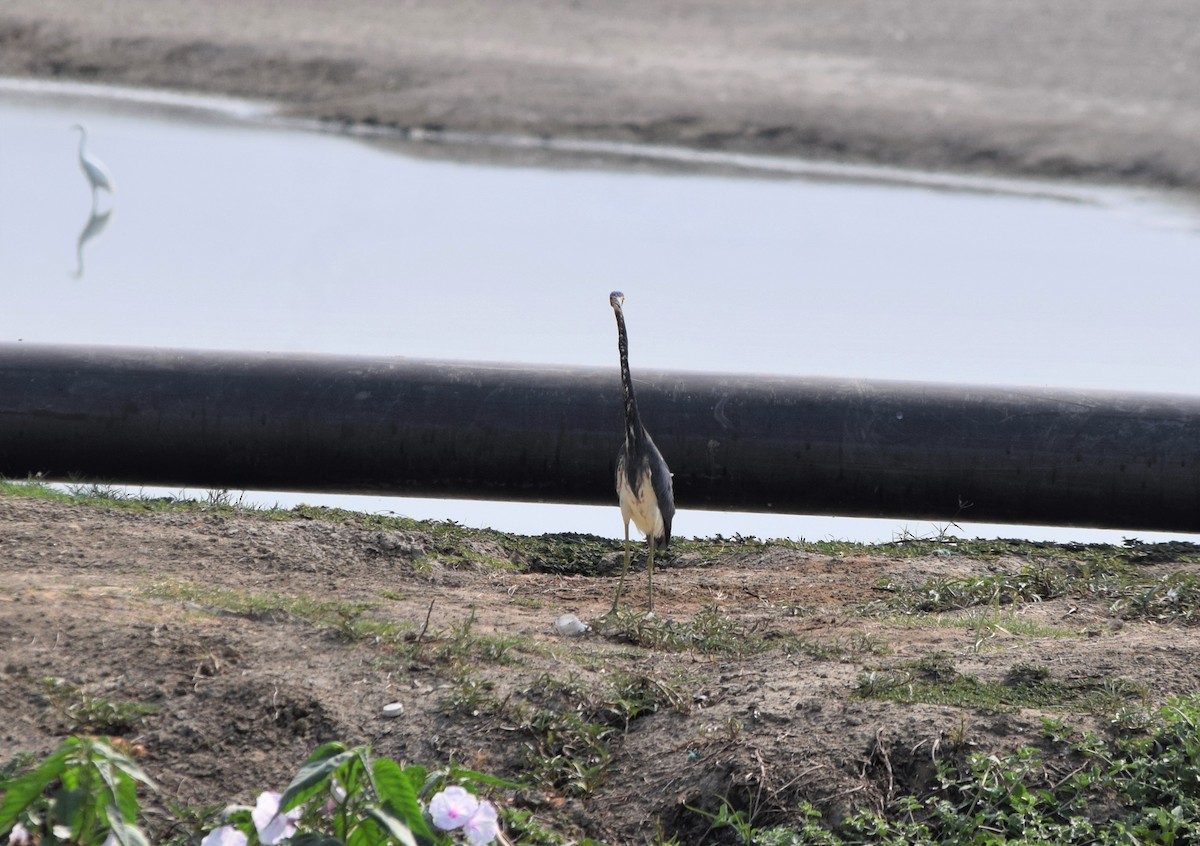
[(127, 801), (355, 773), (398, 794), (240, 817), (121, 789), (125, 764), (68, 808), (313, 775), (416, 776), (391, 824), (313, 838), (366, 833), (327, 750), (459, 773), (21, 792), (126, 834), (70, 777)]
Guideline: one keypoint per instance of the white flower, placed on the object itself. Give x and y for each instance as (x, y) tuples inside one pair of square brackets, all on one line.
[(481, 828), (272, 826), (226, 835), (452, 807), (19, 836)]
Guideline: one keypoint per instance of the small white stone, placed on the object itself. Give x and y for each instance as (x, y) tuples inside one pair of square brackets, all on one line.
[(393, 709), (570, 625)]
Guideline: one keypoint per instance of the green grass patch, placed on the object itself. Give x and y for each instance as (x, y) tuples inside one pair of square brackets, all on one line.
[(97, 495), (524, 827), (1032, 583), (572, 553), (564, 727), (983, 620), (835, 648), (83, 712), (933, 680), (347, 619), (1113, 574), (710, 632), (1072, 790), (1131, 591)]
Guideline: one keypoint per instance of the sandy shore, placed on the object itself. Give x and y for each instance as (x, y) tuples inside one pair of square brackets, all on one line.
[(1104, 90)]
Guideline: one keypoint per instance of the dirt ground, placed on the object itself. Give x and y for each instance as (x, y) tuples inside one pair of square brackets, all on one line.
[(1099, 89), (100, 605)]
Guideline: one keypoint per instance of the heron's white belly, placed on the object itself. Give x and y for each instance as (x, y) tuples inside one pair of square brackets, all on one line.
[(641, 507)]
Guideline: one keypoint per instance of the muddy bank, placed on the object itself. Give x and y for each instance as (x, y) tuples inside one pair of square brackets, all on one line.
[(1097, 89), (228, 645)]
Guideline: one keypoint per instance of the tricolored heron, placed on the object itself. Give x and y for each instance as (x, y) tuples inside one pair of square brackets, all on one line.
[(97, 174), (643, 480)]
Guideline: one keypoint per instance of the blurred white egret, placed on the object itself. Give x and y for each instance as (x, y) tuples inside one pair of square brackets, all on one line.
[(94, 226), (97, 174)]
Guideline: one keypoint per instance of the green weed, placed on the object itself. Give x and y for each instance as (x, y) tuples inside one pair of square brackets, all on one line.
[(348, 620), (82, 712), (710, 632), (836, 648), (934, 680), (81, 793)]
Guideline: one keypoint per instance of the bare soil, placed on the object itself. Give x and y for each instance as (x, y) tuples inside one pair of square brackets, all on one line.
[(130, 608)]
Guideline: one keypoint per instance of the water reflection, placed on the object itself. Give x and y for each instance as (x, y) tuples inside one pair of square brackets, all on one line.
[(99, 179), (96, 223)]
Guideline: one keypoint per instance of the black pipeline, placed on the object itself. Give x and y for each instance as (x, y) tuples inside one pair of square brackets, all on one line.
[(493, 431)]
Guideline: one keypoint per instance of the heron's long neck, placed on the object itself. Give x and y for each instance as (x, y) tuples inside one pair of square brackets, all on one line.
[(82, 141), (633, 422)]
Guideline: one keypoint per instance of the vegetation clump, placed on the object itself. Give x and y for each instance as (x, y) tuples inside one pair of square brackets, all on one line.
[(1137, 788), (933, 680)]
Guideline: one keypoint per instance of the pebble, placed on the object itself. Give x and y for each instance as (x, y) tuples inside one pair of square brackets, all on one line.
[(570, 625)]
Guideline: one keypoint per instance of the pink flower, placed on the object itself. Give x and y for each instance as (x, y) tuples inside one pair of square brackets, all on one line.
[(482, 827), (452, 807), (19, 836), (272, 826), (226, 835)]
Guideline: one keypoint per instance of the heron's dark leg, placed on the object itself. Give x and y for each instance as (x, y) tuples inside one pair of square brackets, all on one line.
[(650, 570), (624, 570)]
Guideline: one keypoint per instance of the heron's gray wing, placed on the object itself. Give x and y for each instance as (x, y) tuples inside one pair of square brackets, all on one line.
[(660, 479)]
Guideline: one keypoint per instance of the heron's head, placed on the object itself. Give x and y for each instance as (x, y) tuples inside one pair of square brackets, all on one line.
[(616, 299)]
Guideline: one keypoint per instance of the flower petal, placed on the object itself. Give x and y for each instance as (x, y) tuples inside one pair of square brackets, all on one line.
[(483, 825), (226, 835), (271, 825), (265, 809), (452, 807)]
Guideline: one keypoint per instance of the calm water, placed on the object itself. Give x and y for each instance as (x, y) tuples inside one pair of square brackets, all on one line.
[(231, 237)]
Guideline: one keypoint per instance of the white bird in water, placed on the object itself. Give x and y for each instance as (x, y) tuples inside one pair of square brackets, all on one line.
[(95, 171)]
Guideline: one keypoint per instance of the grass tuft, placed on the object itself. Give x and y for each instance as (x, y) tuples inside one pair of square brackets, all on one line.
[(934, 680), (83, 712), (710, 632)]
